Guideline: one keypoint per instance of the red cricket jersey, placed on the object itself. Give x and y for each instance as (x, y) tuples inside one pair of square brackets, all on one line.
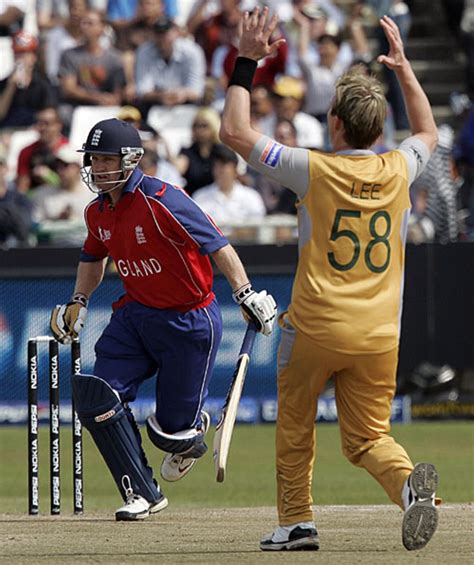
[(159, 239)]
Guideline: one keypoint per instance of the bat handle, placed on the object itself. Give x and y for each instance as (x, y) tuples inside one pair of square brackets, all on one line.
[(249, 338)]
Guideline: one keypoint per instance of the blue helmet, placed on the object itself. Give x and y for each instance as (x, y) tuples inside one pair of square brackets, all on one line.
[(111, 137)]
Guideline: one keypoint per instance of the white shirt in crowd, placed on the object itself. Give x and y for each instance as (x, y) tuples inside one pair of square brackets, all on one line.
[(241, 204), (50, 202)]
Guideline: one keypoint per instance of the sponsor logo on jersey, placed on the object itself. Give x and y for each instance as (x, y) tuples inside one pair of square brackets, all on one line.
[(271, 154), (104, 234), (138, 267), (96, 137), (141, 239)]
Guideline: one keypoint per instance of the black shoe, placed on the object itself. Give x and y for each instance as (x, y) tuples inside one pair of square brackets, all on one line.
[(299, 537)]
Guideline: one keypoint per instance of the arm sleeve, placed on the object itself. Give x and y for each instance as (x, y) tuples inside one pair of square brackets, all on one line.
[(191, 219), (66, 64), (289, 166), (93, 248), (417, 156)]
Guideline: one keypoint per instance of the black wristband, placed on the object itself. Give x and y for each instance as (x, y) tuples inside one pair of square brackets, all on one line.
[(243, 73)]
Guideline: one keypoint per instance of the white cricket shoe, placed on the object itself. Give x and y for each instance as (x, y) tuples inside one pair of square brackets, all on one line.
[(421, 516), (297, 537), (175, 466), (137, 508)]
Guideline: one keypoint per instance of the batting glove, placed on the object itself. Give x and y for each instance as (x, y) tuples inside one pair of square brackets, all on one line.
[(259, 307), (67, 320)]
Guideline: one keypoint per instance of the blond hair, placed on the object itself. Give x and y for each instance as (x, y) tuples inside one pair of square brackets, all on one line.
[(360, 103), (210, 116)]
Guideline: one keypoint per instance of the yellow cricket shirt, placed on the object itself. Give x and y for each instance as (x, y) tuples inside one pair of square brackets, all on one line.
[(347, 294)]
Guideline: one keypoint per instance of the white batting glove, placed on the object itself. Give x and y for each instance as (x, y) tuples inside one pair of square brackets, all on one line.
[(259, 307), (67, 320)]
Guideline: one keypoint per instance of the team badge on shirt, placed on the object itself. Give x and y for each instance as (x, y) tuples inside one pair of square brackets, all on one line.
[(271, 154), (140, 235)]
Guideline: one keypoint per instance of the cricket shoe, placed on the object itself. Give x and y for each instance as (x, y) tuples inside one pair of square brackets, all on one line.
[(421, 516), (137, 508), (298, 537), (175, 466)]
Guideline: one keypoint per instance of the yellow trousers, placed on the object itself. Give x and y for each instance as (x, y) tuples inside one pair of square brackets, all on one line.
[(365, 386)]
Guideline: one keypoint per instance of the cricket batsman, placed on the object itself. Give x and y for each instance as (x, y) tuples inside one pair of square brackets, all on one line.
[(167, 324)]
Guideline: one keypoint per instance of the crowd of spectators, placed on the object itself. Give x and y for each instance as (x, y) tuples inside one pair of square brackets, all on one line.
[(134, 56)]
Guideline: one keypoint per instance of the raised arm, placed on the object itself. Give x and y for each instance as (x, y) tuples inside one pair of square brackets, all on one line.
[(420, 116), (236, 131)]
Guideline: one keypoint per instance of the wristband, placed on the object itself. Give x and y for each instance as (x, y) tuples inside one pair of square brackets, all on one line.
[(242, 293), (243, 73), (80, 298)]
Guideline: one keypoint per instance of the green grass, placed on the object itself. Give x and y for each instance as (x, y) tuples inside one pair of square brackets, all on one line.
[(251, 473)]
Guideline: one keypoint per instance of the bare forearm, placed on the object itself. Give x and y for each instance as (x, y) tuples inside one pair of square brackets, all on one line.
[(230, 265), (6, 98), (89, 276), (236, 131), (303, 41), (197, 17), (417, 104)]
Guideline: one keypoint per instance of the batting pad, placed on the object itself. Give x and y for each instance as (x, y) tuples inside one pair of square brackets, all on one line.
[(102, 413), (189, 442)]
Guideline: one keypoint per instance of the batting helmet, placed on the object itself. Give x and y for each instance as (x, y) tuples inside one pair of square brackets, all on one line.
[(111, 137)]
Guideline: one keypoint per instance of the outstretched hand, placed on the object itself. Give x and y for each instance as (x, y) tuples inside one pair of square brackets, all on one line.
[(396, 55), (255, 41)]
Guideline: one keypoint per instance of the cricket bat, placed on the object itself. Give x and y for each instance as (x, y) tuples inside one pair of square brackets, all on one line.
[(225, 425)]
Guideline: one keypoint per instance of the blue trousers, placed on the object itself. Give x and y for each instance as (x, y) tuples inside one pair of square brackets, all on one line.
[(180, 348)]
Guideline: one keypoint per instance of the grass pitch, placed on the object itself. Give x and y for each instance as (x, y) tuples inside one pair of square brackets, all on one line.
[(213, 523), (250, 480)]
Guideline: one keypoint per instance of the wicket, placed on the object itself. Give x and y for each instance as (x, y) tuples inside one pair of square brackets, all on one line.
[(54, 426)]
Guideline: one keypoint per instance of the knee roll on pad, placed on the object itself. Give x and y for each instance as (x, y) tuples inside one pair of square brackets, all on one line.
[(190, 442), (101, 412)]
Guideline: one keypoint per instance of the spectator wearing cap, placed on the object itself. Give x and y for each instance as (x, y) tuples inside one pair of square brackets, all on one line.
[(89, 73), (131, 115), (26, 90), (169, 70), (15, 211), (67, 200), (194, 163), (226, 200), (35, 161), (288, 94)]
